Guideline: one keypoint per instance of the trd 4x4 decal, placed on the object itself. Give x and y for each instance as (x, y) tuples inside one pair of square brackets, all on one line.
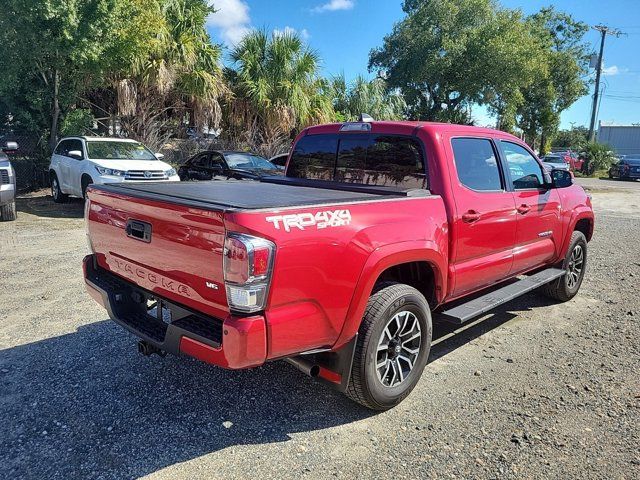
[(328, 218)]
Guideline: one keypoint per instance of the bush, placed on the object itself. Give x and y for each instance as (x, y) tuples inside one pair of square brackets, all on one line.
[(77, 122), (598, 156)]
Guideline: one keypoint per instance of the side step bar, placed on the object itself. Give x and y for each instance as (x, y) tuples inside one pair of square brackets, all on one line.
[(476, 307)]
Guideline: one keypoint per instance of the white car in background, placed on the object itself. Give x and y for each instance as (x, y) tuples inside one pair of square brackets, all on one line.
[(80, 161)]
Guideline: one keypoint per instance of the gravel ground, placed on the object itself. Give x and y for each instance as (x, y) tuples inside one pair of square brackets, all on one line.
[(536, 390)]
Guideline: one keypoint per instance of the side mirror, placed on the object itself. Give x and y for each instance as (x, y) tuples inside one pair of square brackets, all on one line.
[(77, 154), (10, 147), (561, 178), (217, 168), (159, 156)]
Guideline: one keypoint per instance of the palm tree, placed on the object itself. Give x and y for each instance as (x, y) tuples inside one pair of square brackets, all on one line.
[(276, 83), (168, 72), (366, 96)]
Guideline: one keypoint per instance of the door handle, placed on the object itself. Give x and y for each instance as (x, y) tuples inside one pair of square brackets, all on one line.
[(523, 209), (470, 216)]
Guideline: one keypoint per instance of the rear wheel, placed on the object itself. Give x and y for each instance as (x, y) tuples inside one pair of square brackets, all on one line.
[(8, 212), (392, 349), (575, 263), (56, 193)]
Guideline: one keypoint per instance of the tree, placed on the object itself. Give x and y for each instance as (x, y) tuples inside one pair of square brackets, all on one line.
[(276, 84), (560, 80), (366, 96), (573, 138), (162, 70), (47, 48), (448, 54)]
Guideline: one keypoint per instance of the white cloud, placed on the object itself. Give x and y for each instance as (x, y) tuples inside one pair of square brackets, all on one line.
[(304, 34), (333, 5), (231, 19), (613, 70)]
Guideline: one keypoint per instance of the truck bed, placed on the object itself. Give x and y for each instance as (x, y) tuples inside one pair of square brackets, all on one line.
[(280, 192)]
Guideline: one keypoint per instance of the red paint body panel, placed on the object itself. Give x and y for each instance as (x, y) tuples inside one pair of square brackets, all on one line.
[(322, 278)]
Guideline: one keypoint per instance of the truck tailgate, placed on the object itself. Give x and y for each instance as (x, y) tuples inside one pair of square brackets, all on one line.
[(167, 249)]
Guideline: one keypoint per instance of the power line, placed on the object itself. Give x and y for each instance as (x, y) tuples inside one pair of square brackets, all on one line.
[(604, 31)]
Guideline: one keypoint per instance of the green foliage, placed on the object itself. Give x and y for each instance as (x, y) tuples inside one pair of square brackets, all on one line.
[(49, 48), (598, 156), (77, 122), (560, 79), (573, 138), (447, 54), (363, 96), (277, 84)]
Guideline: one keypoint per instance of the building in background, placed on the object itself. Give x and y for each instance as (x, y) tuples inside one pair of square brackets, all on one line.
[(624, 139)]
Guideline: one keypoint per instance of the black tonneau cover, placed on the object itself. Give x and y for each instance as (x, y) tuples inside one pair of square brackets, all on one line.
[(273, 192)]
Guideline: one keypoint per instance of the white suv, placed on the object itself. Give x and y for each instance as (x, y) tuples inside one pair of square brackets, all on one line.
[(80, 161)]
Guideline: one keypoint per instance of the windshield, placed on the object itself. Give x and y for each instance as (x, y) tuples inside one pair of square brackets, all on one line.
[(248, 161), (109, 150)]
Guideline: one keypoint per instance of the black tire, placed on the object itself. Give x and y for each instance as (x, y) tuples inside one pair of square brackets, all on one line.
[(366, 386), (56, 193), (86, 181), (563, 289), (610, 176), (8, 212)]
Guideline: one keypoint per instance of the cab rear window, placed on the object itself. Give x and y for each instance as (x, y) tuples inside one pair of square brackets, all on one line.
[(369, 159)]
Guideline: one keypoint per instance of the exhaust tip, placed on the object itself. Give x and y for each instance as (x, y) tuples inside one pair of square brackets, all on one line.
[(314, 371)]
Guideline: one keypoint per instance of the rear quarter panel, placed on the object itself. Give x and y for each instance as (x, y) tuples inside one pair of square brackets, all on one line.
[(324, 275)]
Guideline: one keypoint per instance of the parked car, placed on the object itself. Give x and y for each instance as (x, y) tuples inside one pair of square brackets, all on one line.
[(627, 168), (226, 164), (280, 160), (340, 266), (81, 161), (8, 210), (555, 160)]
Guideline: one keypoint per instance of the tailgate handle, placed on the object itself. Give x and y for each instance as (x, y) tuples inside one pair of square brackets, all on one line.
[(139, 230)]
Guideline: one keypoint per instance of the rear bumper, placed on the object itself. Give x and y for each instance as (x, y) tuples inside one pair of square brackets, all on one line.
[(233, 342)]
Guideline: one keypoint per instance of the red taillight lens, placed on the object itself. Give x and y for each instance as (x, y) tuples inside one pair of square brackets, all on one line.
[(261, 256)]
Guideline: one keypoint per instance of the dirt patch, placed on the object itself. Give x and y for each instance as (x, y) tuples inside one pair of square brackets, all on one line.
[(537, 390)]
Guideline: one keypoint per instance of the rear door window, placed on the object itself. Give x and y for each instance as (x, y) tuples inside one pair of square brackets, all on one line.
[(476, 164), (314, 157)]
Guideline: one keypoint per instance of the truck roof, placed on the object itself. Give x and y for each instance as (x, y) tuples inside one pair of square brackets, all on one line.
[(409, 127)]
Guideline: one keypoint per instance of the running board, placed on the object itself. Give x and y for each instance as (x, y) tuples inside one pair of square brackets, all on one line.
[(478, 306)]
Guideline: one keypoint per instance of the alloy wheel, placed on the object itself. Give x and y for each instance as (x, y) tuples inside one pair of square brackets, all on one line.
[(398, 348), (575, 266)]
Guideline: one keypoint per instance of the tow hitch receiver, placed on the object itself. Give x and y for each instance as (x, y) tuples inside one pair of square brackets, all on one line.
[(146, 349)]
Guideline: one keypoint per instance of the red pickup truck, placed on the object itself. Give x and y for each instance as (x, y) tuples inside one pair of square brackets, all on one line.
[(340, 265)]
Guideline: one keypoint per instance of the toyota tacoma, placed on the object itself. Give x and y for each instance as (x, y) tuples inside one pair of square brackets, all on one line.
[(339, 266)]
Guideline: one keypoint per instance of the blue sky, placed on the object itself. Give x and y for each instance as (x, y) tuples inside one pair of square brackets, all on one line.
[(344, 31)]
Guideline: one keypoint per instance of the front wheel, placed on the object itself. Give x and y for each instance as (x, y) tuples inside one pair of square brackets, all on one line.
[(56, 193), (392, 349), (575, 264), (8, 212)]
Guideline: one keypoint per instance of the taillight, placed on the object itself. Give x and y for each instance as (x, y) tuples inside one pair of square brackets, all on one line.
[(248, 261)]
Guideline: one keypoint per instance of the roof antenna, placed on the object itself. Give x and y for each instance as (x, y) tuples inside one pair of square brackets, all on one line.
[(365, 118)]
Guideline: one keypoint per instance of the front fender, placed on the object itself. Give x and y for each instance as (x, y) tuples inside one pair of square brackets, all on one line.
[(380, 260)]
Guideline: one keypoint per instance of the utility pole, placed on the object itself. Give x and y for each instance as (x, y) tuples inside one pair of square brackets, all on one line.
[(604, 31)]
